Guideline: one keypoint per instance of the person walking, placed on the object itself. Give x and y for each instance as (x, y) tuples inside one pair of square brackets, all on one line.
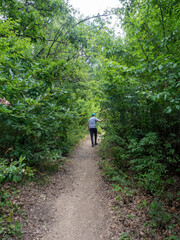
[(92, 128)]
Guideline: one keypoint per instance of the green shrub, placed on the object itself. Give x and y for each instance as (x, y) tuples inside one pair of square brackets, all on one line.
[(8, 210), (160, 217), (12, 172), (147, 162)]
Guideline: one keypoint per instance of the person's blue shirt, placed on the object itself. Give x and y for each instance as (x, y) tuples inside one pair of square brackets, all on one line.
[(92, 122)]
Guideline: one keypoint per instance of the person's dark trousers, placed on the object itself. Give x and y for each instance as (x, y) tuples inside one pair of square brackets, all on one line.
[(93, 131)]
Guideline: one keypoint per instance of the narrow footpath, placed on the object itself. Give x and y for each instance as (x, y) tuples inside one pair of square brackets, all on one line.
[(81, 212), (78, 204)]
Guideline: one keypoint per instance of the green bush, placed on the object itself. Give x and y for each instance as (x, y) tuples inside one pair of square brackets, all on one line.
[(147, 162), (8, 225), (13, 171), (160, 217)]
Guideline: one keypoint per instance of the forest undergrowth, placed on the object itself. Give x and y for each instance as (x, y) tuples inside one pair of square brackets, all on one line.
[(57, 67), (159, 211)]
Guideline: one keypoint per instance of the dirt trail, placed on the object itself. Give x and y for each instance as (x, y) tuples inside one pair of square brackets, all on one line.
[(78, 204), (81, 213)]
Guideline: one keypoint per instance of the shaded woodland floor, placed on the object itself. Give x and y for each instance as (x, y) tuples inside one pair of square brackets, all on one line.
[(77, 203)]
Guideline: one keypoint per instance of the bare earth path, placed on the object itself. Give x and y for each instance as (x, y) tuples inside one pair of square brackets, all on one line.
[(81, 212), (78, 204)]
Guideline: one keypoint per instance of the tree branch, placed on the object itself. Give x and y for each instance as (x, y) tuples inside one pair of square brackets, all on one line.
[(143, 50), (84, 20), (163, 26)]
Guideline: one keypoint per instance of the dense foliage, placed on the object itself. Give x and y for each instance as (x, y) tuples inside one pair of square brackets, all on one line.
[(140, 101), (45, 99), (141, 91), (55, 69), (47, 95)]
